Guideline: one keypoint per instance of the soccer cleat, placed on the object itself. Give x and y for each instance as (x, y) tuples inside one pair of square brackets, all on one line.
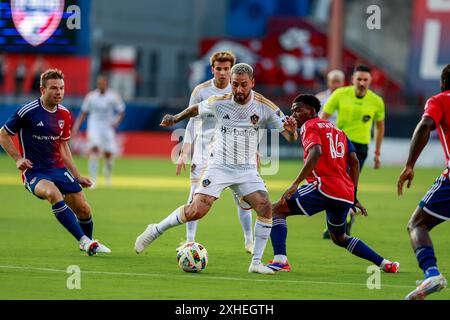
[(428, 286), (260, 268), (279, 266), (102, 248), (249, 247), (90, 247), (391, 267), (145, 238)]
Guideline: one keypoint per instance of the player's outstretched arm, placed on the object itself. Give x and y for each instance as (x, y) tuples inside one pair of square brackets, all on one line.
[(314, 154), (170, 120), (7, 144), (418, 142), (66, 155)]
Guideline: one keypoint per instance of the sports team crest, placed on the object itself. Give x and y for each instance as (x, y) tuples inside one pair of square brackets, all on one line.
[(61, 123), (254, 119), (206, 183), (36, 20)]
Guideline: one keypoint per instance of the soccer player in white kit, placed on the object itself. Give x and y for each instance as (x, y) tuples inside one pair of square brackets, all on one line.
[(199, 137), (106, 110), (240, 115)]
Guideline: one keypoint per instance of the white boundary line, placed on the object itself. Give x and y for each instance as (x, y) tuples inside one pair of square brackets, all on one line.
[(201, 277)]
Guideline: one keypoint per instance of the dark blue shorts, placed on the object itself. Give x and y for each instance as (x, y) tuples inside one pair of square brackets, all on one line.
[(308, 200), (436, 201), (61, 177)]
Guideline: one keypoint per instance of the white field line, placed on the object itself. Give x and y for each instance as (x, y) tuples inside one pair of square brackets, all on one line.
[(200, 277)]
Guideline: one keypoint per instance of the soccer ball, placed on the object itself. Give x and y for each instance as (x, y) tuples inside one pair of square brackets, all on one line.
[(192, 257)]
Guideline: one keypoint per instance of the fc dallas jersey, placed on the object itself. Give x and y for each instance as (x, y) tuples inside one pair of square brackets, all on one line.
[(437, 108), (330, 175), (40, 133)]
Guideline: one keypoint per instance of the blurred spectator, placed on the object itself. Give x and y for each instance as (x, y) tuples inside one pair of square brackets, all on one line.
[(39, 66), (19, 77), (335, 79), (2, 70)]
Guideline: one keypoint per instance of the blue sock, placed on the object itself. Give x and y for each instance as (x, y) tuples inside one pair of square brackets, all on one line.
[(87, 225), (278, 236), (68, 219), (427, 261), (360, 249)]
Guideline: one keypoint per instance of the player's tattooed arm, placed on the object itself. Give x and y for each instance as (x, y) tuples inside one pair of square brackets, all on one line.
[(169, 120)]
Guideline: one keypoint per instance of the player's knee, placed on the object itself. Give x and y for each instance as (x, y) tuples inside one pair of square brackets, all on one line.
[(280, 210), (84, 210), (339, 240), (195, 211), (414, 223), (264, 207), (52, 195), (409, 226)]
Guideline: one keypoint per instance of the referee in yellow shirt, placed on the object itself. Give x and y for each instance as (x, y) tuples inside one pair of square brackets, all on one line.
[(357, 108)]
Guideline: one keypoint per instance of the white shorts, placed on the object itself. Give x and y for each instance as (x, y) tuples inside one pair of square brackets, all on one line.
[(102, 138), (196, 172), (242, 182)]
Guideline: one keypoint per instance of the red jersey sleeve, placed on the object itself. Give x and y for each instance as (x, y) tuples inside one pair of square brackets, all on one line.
[(434, 110), (310, 136)]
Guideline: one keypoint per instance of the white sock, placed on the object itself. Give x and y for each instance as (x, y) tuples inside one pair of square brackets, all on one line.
[(93, 167), (84, 240), (262, 234), (174, 219), (383, 263), (280, 258), (108, 169), (191, 226), (245, 217), (191, 230)]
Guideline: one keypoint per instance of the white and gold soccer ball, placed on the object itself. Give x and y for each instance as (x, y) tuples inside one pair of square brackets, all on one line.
[(192, 257)]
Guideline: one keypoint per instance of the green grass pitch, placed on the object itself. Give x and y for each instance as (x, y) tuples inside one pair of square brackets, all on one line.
[(36, 251)]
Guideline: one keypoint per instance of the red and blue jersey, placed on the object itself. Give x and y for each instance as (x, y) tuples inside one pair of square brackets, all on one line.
[(438, 109), (40, 133), (330, 174)]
